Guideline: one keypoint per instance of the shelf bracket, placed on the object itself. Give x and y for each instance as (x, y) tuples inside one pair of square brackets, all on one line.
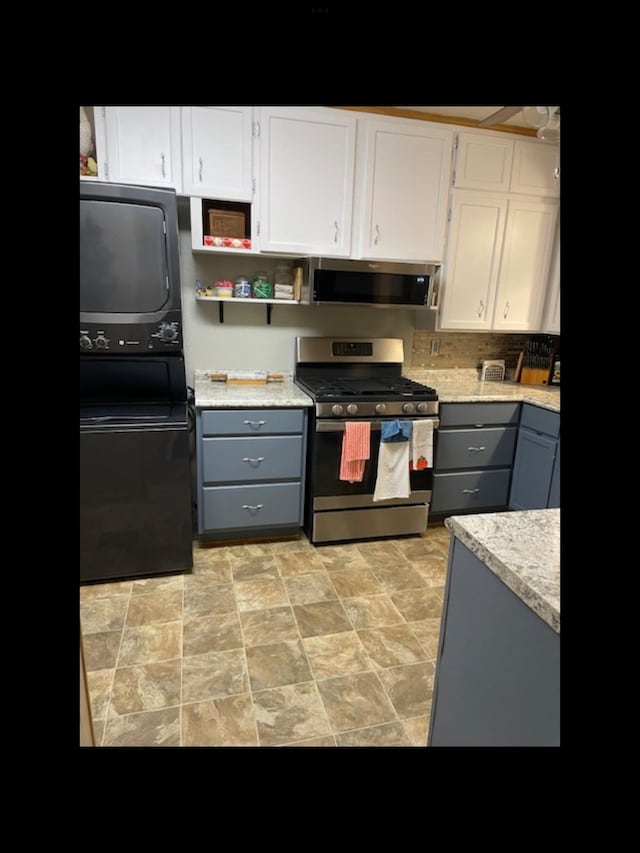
[(269, 306), (221, 312)]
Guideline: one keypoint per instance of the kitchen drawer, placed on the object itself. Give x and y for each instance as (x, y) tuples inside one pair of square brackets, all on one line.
[(252, 421), (270, 457), (470, 490), (475, 448), (540, 420), (483, 414), (274, 503)]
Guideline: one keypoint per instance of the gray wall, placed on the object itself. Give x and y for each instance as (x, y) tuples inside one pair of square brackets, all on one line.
[(245, 341)]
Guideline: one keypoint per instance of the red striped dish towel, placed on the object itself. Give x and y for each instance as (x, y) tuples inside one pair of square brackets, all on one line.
[(356, 442)]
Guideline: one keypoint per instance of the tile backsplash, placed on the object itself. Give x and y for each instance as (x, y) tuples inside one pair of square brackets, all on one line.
[(466, 349)]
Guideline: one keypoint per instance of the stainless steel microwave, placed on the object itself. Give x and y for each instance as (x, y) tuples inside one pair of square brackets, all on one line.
[(379, 284)]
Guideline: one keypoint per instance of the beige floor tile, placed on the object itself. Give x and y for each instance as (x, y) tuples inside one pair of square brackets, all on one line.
[(255, 549), (299, 562), (398, 577), (207, 598), (98, 615), (416, 549), (151, 644), (290, 714), (149, 728), (355, 701), (99, 687), (306, 589), (262, 627), (101, 650), (255, 568), (161, 605), (260, 594), (417, 729), (216, 571), (340, 557), (325, 740), (433, 570), (104, 590), (220, 722), (418, 604), (277, 664), (428, 633), (410, 688), (98, 731), (371, 611), (336, 654), (391, 646), (214, 675), (211, 634), (203, 554), (323, 617), (381, 554), (143, 586), (147, 687), (389, 734), (291, 545), (358, 580)]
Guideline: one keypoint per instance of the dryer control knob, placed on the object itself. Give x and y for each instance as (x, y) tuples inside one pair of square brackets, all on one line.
[(101, 342), (85, 342)]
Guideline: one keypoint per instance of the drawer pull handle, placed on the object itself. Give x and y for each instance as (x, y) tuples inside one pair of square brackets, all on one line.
[(476, 448), (257, 424), (477, 426), (249, 459), (470, 491), (252, 508)]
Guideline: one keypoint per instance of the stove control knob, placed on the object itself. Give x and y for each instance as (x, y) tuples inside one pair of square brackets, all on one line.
[(408, 408), (101, 342), (422, 407), (380, 408), (85, 342), (337, 409), (352, 409)]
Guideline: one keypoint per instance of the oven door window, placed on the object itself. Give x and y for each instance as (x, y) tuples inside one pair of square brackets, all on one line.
[(325, 479)]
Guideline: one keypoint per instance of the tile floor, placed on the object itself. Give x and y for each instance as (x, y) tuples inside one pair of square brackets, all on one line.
[(276, 644)]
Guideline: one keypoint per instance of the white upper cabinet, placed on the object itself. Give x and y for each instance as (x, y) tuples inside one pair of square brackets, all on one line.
[(498, 258), (216, 152), (483, 162), (551, 324), (470, 273), (489, 161), (305, 180), (536, 169), (402, 183), (143, 146)]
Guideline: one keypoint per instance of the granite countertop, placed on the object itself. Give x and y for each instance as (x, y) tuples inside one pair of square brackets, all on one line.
[(522, 548), (463, 386), (220, 395)]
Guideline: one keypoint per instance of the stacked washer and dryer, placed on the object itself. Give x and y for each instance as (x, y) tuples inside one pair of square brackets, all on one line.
[(135, 467)]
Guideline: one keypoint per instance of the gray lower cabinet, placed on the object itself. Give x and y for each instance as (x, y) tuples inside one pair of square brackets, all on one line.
[(475, 445), (498, 668), (251, 465), (536, 468)]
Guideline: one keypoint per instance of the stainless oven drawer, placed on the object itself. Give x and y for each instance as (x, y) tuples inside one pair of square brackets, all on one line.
[(252, 421), (251, 506), (346, 524), (472, 490), (476, 448), (271, 457)]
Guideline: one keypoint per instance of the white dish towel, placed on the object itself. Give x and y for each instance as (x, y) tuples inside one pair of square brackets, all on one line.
[(392, 480), (422, 445)]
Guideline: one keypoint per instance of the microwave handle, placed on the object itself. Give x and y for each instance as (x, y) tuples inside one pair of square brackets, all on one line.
[(434, 296), (338, 426)]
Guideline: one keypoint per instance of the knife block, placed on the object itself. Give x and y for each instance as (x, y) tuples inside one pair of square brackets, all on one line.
[(534, 376)]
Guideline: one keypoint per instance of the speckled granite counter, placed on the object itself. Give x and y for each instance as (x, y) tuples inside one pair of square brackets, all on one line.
[(220, 395), (523, 550), (463, 386)]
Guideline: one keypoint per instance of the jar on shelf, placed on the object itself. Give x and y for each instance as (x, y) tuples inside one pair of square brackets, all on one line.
[(261, 286), (242, 288)]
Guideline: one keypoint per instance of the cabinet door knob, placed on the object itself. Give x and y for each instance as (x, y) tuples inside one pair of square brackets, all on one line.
[(506, 310), (480, 308), (335, 236), (164, 171), (377, 237), (200, 172)]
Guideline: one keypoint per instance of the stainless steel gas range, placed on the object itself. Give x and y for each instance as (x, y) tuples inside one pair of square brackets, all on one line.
[(359, 380)]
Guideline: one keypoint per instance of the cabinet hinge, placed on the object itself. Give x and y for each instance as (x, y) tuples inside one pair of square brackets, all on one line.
[(256, 128), (449, 216)]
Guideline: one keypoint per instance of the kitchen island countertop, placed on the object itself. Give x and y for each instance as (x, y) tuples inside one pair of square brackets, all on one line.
[(221, 395), (522, 548)]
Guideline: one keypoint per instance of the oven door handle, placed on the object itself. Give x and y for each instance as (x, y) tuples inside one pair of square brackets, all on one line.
[(338, 426)]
